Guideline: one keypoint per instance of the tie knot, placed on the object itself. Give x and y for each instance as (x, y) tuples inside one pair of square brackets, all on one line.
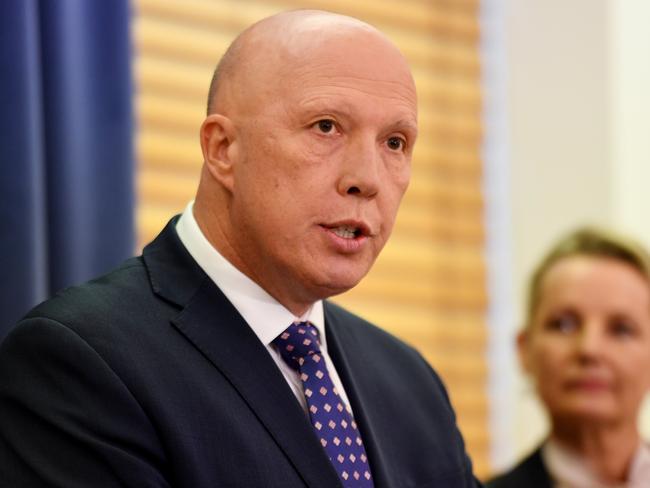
[(299, 341)]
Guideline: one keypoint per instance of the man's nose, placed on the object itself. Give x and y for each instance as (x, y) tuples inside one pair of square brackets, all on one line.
[(360, 171)]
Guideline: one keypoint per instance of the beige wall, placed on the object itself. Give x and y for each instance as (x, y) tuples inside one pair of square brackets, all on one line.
[(578, 106)]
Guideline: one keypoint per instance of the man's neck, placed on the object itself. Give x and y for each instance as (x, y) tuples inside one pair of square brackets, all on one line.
[(219, 239)]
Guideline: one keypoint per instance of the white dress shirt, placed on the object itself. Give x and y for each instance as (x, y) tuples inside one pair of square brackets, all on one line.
[(263, 313), (569, 469)]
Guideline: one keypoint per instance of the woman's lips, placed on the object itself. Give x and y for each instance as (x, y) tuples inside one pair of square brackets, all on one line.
[(588, 384)]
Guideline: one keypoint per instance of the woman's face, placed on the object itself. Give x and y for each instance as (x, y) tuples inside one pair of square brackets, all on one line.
[(588, 346)]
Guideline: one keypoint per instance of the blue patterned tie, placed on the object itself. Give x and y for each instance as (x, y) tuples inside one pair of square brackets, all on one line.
[(332, 422)]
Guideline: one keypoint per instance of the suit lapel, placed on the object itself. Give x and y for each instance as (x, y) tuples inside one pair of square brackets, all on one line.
[(346, 351), (211, 323)]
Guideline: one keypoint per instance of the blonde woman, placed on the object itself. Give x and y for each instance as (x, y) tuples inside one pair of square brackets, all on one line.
[(586, 346)]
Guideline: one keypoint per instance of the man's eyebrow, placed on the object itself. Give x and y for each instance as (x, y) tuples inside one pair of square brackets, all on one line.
[(323, 104), (409, 125)]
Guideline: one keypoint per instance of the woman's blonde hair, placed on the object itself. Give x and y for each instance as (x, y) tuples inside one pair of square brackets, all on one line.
[(588, 241)]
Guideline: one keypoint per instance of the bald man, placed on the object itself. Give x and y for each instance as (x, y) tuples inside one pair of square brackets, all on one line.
[(212, 360)]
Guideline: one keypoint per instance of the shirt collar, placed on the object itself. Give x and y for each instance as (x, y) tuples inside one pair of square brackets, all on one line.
[(264, 314), (569, 469)]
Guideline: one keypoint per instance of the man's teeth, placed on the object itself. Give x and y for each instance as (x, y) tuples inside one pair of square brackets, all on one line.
[(346, 232)]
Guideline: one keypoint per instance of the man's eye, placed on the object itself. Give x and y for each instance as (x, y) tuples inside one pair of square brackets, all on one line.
[(325, 126), (396, 143)]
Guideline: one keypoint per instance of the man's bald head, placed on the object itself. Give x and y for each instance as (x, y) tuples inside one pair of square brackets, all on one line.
[(307, 149), (224, 70), (276, 41)]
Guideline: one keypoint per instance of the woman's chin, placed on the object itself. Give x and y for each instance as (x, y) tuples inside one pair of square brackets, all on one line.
[(585, 414)]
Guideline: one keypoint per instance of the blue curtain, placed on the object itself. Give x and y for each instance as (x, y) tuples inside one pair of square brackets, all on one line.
[(66, 150)]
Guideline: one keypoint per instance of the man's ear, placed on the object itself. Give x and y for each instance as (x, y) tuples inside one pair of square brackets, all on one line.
[(219, 146)]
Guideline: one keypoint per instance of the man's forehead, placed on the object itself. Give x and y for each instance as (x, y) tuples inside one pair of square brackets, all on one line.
[(317, 49), (333, 77), (384, 100), (363, 62)]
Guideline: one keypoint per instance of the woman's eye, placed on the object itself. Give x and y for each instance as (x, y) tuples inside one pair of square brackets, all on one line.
[(325, 126), (621, 327), (396, 143), (565, 323)]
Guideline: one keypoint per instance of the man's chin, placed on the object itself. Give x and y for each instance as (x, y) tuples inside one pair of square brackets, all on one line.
[(335, 284)]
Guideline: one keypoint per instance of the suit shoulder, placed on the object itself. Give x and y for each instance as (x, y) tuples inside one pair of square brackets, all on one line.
[(385, 347), (530, 472), (349, 322), (116, 292)]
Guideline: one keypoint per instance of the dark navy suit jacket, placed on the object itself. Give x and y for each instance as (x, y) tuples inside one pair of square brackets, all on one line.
[(148, 377), (529, 473)]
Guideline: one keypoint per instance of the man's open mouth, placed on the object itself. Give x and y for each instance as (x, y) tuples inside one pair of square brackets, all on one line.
[(347, 231)]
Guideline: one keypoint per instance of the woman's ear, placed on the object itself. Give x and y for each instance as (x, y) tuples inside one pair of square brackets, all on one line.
[(523, 349), (219, 145)]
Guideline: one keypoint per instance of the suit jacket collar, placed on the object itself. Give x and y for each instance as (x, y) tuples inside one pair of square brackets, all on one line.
[(347, 353), (212, 324), (173, 273)]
